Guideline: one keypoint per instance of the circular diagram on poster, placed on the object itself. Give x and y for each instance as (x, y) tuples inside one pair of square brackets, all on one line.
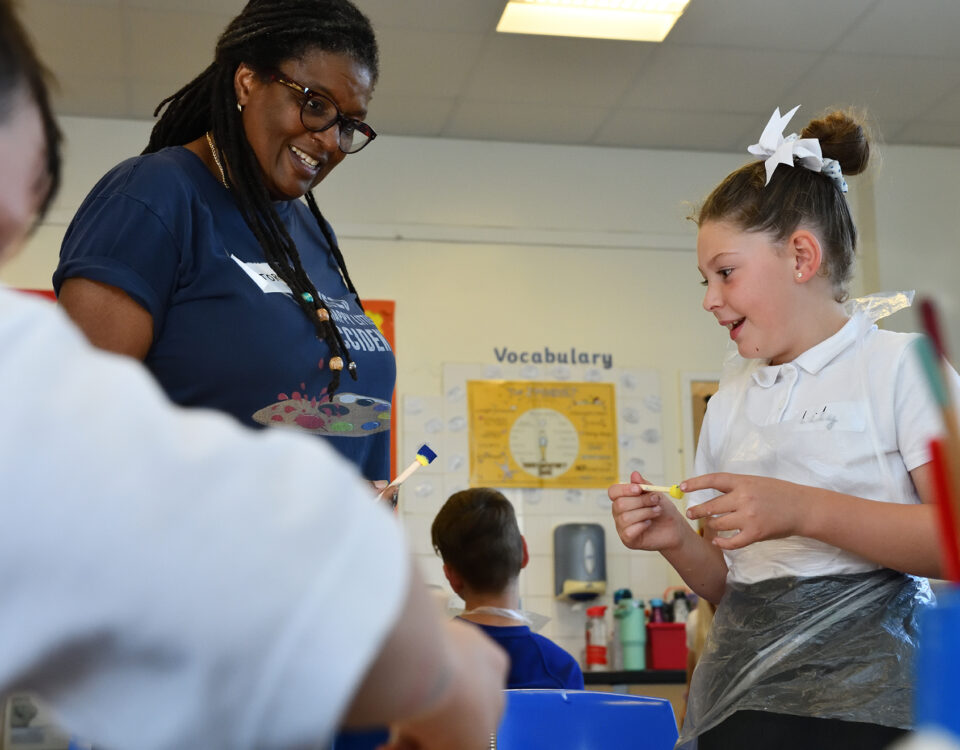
[(544, 443)]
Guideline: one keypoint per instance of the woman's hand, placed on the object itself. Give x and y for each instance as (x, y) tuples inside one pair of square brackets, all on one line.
[(391, 497), (758, 508), (646, 520)]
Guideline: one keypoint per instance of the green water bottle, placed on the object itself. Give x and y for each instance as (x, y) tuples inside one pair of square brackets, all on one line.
[(632, 629)]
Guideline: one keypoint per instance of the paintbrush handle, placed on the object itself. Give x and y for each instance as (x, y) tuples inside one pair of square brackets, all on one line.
[(403, 476), (951, 449), (946, 452), (946, 510), (675, 492)]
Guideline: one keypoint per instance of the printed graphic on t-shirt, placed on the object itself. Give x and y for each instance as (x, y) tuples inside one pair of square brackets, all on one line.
[(346, 415), (359, 332)]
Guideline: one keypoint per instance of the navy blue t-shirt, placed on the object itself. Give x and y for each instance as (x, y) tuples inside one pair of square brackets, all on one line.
[(227, 333)]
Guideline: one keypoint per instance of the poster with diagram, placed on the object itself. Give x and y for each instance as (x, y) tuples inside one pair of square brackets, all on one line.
[(542, 434)]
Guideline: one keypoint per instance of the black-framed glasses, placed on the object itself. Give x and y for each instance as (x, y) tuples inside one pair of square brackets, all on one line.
[(319, 112)]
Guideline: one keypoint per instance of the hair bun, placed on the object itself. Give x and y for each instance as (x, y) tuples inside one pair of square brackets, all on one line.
[(842, 137)]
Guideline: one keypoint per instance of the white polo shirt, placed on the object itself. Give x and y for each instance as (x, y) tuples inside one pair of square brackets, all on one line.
[(853, 419), (170, 579)]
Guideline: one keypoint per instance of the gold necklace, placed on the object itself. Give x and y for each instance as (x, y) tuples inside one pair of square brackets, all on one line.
[(216, 159)]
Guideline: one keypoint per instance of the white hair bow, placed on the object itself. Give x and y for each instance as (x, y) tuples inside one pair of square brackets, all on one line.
[(782, 150)]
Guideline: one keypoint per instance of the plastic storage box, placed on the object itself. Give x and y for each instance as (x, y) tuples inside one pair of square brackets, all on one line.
[(938, 668), (585, 720), (666, 645)]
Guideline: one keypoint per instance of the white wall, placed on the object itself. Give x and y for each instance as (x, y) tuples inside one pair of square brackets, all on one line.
[(487, 245), (918, 232)]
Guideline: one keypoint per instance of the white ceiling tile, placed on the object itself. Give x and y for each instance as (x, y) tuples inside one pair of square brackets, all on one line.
[(152, 55), (915, 28), (79, 4), (524, 122), (649, 128), (710, 85), (947, 109), (434, 15), (889, 88), (77, 39), (83, 96), (550, 70), (424, 63), (929, 133), (710, 78), (813, 25), (409, 115), (228, 8)]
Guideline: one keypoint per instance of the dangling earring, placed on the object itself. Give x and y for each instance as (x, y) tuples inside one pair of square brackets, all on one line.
[(239, 107)]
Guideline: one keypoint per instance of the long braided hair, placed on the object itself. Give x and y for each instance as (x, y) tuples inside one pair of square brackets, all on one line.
[(265, 34)]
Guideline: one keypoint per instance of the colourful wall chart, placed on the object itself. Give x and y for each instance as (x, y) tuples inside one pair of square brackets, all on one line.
[(542, 434)]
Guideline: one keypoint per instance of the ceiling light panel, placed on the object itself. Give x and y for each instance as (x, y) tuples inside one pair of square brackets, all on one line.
[(638, 20)]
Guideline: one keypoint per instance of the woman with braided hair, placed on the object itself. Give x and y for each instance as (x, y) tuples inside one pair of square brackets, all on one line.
[(200, 258), (138, 623)]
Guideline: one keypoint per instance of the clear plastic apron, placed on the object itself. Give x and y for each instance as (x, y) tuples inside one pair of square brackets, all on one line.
[(838, 646)]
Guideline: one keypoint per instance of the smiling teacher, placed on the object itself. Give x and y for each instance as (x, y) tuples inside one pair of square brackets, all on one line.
[(199, 258)]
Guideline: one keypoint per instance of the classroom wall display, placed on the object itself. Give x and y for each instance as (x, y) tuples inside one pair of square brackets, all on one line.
[(542, 433), (696, 390), (382, 313), (441, 419), (630, 425)]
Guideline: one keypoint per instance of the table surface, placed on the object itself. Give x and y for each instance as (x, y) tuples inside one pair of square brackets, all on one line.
[(637, 677)]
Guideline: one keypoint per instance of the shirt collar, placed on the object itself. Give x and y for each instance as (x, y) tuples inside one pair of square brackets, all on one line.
[(816, 358)]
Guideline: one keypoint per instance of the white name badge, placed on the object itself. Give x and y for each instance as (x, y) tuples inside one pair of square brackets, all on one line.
[(847, 416), (263, 276)]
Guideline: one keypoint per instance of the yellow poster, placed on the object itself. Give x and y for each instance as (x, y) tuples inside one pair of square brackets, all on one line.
[(532, 434)]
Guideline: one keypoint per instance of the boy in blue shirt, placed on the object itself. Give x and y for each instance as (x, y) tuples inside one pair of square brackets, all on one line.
[(477, 535)]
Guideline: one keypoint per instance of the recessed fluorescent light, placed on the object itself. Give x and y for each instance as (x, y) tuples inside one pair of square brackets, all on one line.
[(639, 20)]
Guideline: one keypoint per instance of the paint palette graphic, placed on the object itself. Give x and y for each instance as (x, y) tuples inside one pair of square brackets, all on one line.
[(346, 415)]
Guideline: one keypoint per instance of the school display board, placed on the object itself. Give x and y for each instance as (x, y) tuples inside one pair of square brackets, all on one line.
[(383, 314), (560, 435)]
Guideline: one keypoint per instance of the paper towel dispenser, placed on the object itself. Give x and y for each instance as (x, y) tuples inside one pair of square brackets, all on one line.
[(579, 561)]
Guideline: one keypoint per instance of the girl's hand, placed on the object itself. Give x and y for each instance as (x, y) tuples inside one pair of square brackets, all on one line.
[(645, 520), (758, 508)]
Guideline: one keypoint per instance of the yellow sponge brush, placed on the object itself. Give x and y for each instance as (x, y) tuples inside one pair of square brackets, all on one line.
[(673, 490)]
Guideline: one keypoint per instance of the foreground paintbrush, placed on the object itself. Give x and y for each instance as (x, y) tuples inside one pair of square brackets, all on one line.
[(946, 451), (424, 456)]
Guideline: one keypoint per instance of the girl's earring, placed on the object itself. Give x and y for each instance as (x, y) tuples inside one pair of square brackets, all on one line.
[(239, 107), (799, 274)]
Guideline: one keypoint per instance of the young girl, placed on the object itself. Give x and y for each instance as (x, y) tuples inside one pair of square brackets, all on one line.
[(814, 479)]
